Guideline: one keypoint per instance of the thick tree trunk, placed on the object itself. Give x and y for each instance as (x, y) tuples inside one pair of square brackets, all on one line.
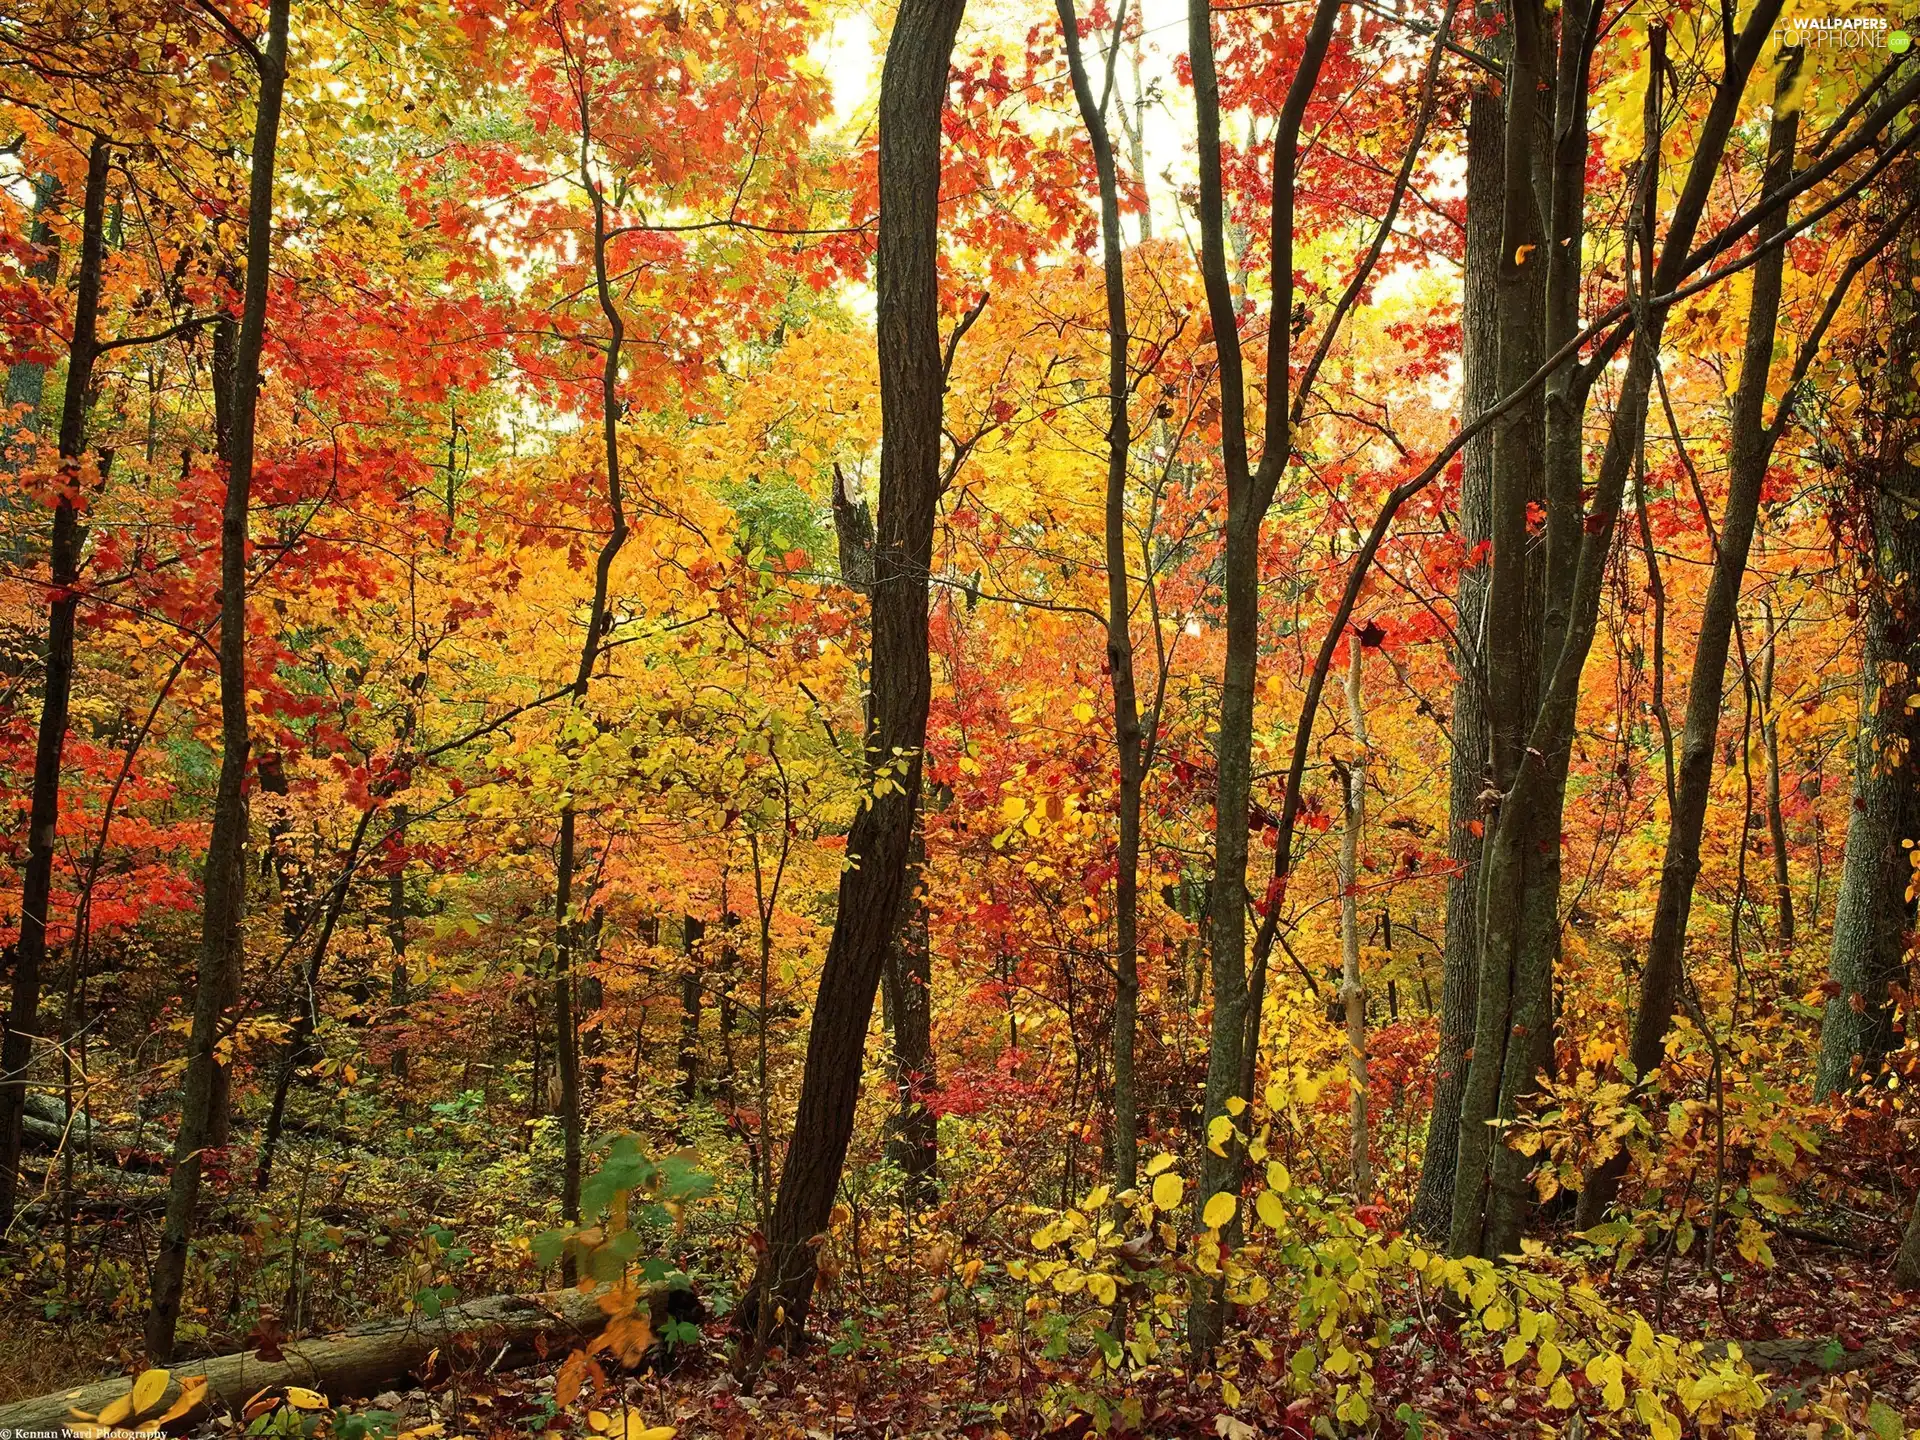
[(1128, 742), (913, 92), (225, 878), (43, 815), (1514, 1010), (1663, 973), (1873, 916), (1513, 605), (1470, 775)]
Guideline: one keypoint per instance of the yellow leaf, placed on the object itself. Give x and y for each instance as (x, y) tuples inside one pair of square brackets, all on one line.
[(1219, 1210), (117, 1411), (148, 1389), (302, 1398), (1561, 1395), (598, 1420), (1271, 1212), (653, 1432), (1159, 1163), (1167, 1190), (1102, 1288), (1218, 1130), (1549, 1360), (1278, 1178)]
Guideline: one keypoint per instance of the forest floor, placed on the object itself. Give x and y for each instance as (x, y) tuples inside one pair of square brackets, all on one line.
[(1823, 1324)]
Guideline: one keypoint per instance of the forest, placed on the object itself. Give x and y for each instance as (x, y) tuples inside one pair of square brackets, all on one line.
[(909, 718)]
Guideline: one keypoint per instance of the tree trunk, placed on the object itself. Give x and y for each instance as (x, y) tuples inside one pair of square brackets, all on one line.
[(908, 977), (692, 931), (1514, 1010), (1353, 990), (225, 878), (1514, 603), (1906, 1265), (913, 90), (1249, 494), (1776, 817), (1128, 742), (1874, 913), (401, 989), (1664, 972), (566, 928), (43, 816), (1466, 809)]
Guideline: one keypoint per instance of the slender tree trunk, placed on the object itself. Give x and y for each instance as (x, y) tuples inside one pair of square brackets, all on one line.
[(692, 932), (1663, 973), (43, 815), (1776, 817), (1875, 913), (1353, 990), (566, 927), (226, 871), (299, 1048), (1126, 706), (1249, 494), (1470, 777), (913, 90), (400, 991)]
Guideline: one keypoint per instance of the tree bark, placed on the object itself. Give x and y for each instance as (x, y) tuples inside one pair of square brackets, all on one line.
[(566, 927), (1776, 817), (1353, 990), (1515, 1004), (1128, 742), (1906, 1265), (692, 931), (1466, 809), (1514, 601), (225, 878), (913, 91), (43, 815), (914, 1144), (1874, 914), (1250, 492), (1664, 971)]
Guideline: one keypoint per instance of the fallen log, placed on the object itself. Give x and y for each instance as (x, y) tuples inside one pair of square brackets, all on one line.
[(497, 1333)]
